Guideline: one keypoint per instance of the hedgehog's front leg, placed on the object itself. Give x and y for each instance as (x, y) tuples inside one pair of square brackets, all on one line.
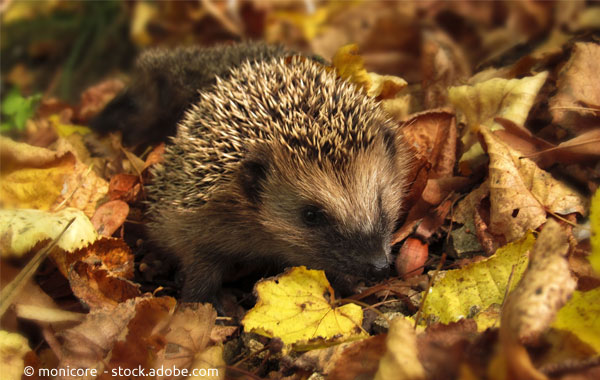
[(202, 281)]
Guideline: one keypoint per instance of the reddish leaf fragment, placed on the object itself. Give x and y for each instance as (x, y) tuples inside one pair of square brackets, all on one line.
[(125, 187), (109, 217), (433, 136), (155, 157), (96, 97), (411, 258), (360, 359), (98, 288)]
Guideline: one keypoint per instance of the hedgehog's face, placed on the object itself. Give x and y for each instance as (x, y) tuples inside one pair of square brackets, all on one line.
[(338, 218)]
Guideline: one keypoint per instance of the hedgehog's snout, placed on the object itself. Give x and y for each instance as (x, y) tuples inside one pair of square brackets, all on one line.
[(379, 267)]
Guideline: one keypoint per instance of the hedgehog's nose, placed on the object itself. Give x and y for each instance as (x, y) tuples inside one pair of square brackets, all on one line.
[(379, 268)]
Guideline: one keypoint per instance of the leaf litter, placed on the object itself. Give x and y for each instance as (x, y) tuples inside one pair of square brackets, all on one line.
[(505, 134)]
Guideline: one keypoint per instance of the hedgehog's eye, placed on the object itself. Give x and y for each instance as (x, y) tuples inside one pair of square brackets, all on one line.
[(313, 216)]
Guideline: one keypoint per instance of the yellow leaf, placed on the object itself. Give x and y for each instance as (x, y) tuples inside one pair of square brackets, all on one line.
[(595, 239), (507, 98), (401, 360), (479, 104), (309, 24), (64, 130), (38, 178), (545, 287), (521, 192), (295, 308), (580, 316), (462, 292), (22, 229), (350, 65), (25, 183), (143, 13), (13, 348), (385, 86)]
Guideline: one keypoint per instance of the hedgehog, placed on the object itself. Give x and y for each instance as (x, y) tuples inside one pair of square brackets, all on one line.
[(166, 81), (279, 163)]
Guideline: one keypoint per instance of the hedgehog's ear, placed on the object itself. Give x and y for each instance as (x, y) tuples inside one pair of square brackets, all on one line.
[(252, 174)]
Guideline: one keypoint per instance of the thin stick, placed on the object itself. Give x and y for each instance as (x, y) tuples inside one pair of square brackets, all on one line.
[(429, 285), (18, 283)]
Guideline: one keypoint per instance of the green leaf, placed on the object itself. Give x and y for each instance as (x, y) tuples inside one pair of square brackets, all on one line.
[(16, 109)]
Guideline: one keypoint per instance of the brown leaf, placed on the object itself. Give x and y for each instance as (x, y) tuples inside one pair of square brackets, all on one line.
[(86, 345), (154, 157), (443, 349), (411, 258), (520, 192), (109, 254), (187, 336), (359, 359), (443, 64), (578, 99), (97, 288), (96, 97), (433, 136), (125, 187), (544, 288), (109, 217), (140, 341)]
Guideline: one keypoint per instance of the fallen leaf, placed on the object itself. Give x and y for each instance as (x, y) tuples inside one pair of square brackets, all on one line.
[(64, 129), (544, 288), (209, 364), (443, 64), (295, 308), (37, 186), (432, 135), (99, 288), (109, 217), (578, 96), (94, 98), (580, 316), (520, 192), (411, 258), (87, 344), (124, 187), (401, 360), (595, 238), (444, 349), (22, 229), (350, 65), (139, 341), (462, 293), (481, 103), (357, 360), (13, 348), (33, 177), (541, 292)]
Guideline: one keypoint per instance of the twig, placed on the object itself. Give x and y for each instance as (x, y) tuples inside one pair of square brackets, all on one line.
[(16, 285)]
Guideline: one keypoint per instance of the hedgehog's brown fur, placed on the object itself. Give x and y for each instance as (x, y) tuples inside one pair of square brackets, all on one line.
[(281, 162)]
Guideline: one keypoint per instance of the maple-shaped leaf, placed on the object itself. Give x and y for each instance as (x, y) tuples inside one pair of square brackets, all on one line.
[(296, 308)]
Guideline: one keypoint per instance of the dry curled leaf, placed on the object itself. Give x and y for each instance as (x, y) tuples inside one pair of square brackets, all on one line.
[(297, 308), (521, 193), (401, 360), (544, 288), (578, 96)]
